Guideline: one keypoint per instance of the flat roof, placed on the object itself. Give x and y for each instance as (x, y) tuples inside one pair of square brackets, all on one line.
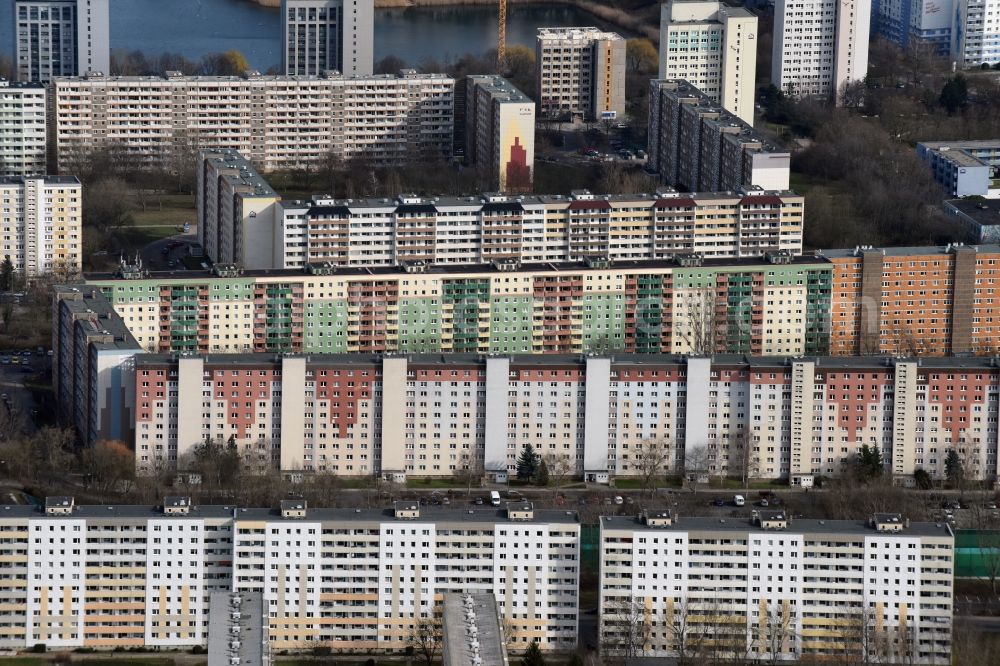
[(925, 250), (500, 87), (457, 647), (49, 180), (588, 32), (462, 269), (618, 360), (983, 211), (108, 321), (435, 514), (795, 526)]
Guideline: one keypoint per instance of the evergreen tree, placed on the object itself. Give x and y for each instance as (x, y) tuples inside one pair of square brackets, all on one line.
[(954, 470), (955, 94), (527, 463), (533, 656), (869, 463), (542, 475), (6, 274)]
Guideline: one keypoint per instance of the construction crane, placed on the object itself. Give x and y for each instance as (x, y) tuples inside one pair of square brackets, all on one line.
[(502, 37)]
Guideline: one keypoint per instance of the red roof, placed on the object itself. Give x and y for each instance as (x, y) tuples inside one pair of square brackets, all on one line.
[(762, 200), (679, 202), (590, 204)]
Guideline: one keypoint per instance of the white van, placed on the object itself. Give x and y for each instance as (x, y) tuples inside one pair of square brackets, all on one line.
[(494, 498), (738, 500)]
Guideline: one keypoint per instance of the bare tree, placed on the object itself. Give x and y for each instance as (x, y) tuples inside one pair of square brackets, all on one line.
[(695, 462), (745, 459), (625, 627), (562, 467), (425, 638), (471, 473), (651, 457), (678, 631), (774, 641), (697, 325)]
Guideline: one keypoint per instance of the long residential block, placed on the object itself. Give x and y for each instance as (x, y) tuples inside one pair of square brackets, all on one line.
[(277, 122), (696, 145), (790, 418), (915, 300), (41, 219), (241, 220), (776, 589), (776, 305), (347, 579)]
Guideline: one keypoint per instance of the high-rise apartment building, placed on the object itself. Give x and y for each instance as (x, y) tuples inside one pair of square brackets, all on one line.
[(60, 38), (346, 579), (500, 133), (22, 129), (277, 122), (40, 222), (696, 145), (93, 376), (774, 589), (712, 46), (922, 23), (975, 33), (820, 46), (238, 212), (580, 72), (327, 35)]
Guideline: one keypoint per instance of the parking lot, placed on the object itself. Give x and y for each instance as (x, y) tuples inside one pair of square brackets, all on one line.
[(16, 403)]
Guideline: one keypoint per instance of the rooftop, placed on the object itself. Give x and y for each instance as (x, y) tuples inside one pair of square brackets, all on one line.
[(331, 75), (919, 251), (430, 514), (985, 212), (49, 180), (589, 32), (500, 88), (461, 643), (795, 526), (93, 313), (744, 263), (619, 362)]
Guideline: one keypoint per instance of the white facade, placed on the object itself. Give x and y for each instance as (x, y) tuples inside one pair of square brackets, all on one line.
[(277, 122), (714, 47), (784, 593), (22, 129), (40, 224), (975, 33), (820, 46), (321, 35), (61, 38)]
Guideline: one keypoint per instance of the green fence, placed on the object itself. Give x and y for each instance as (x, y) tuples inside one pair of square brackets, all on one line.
[(972, 548)]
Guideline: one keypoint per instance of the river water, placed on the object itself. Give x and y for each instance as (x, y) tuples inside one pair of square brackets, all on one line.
[(416, 34)]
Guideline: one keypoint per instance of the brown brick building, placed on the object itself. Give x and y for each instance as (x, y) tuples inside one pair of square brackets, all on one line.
[(908, 301)]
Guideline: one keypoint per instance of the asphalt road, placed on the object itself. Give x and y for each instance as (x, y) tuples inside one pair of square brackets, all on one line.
[(154, 259)]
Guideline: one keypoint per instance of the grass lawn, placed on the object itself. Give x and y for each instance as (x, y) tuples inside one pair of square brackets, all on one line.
[(431, 483), (165, 210), (23, 661)]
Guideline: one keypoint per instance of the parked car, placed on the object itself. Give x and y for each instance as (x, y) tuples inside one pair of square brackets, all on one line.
[(719, 502), (479, 501), (619, 500)]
